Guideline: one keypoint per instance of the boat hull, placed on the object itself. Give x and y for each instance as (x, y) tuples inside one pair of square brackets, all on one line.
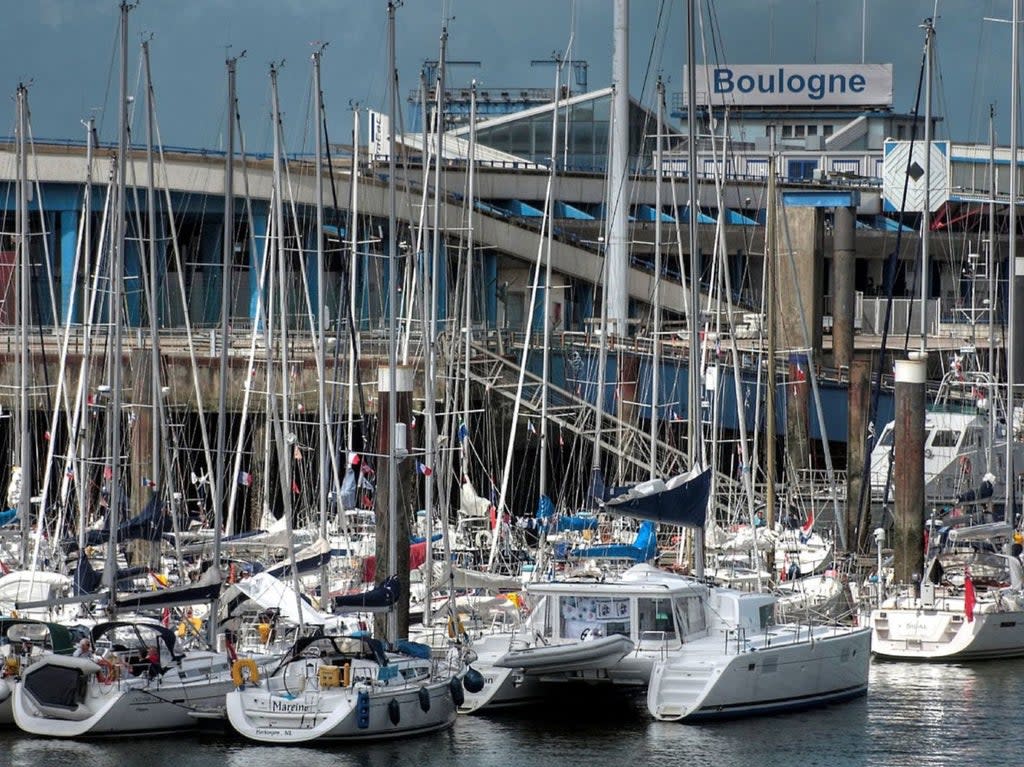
[(931, 634)]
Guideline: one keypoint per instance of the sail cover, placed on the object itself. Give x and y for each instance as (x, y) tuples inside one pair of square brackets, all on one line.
[(681, 500)]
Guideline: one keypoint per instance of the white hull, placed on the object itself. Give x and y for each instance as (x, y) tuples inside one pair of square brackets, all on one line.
[(128, 706), (944, 634), (568, 658), (702, 682), (355, 713)]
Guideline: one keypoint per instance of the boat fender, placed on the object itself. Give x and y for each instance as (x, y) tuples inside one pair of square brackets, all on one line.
[(107, 673), (456, 630), (394, 711), (245, 671), (473, 680), (458, 696), (363, 710), (483, 539), (424, 695)]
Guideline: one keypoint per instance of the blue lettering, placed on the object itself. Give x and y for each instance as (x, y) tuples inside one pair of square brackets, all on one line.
[(766, 83), (795, 83), (816, 87), (857, 83), (745, 83), (833, 80), (723, 81)]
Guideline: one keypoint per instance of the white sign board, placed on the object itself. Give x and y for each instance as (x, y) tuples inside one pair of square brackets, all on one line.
[(794, 85), (380, 135), (903, 174)]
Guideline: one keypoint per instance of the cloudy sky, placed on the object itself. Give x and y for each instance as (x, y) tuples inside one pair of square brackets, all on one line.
[(68, 50)]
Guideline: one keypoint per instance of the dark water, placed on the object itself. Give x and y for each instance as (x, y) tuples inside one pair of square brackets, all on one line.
[(913, 716)]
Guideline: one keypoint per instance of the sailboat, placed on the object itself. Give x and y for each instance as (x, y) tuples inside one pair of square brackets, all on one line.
[(332, 687), (969, 603)]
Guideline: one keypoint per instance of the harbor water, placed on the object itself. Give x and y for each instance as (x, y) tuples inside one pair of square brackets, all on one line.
[(915, 715)]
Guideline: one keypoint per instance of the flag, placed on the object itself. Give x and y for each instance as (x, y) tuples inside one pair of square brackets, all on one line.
[(245, 478), (809, 523), (412, 423), (70, 473), (530, 427), (561, 440), (297, 454), (353, 459), (295, 487), (165, 617), (969, 598), (108, 473), (463, 432), (147, 482), (423, 469)]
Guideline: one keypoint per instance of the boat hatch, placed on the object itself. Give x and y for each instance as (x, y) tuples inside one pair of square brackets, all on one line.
[(56, 686)]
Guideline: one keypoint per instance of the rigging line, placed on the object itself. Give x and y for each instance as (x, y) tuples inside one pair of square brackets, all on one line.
[(889, 277)]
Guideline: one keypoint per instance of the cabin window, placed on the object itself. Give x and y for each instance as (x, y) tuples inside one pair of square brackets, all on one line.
[(767, 615), (945, 438), (594, 617), (690, 616), (886, 439), (654, 616)]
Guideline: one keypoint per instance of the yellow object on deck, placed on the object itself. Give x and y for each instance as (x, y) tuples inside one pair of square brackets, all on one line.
[(330, 676)]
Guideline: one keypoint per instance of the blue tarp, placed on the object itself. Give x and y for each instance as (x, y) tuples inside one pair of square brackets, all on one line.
[(643, 548), (7, 516), (150, 525)]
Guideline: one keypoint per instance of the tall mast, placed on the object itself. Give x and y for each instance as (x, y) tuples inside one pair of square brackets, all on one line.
[(151, 303), (82, 446), (116, 299), (430, 326), (656, 345), (227, 263), (321, 306), (24, 310), (1014, 274), (616, 292), (392, 261), (353, 282), (693, 376), (770, 258), (926, 214)]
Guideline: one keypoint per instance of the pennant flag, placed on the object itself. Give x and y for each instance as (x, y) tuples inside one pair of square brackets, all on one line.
[(46, 436), (969, 597), (423, 469), (561, 440), (297, 454), (412, 423), (245, 478), (108, 472), (463, 432), (90, 400), (295, 487)]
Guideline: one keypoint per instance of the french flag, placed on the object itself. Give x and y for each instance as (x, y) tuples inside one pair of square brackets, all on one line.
[(245, 478), (423, 469)]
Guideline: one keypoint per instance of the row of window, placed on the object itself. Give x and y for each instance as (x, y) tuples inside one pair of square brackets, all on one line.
[(802, 131)]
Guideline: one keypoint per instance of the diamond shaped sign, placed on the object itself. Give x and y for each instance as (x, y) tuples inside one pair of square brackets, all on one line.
[(915, 172)]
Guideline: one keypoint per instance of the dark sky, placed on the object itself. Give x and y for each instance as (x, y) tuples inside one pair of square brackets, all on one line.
[(68, 49)]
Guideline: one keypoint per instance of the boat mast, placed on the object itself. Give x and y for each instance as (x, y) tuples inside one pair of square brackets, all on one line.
[(392, 262), (656, 343), (227, 262), (616, 295), (693, 376), (81, 445), (770, 257), (321, 307), (1014, 274), (430, 330), (929, 37), (116, 298), (24, 290)]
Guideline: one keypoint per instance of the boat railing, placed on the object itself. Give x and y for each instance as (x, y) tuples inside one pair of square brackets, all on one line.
[(660, 637)]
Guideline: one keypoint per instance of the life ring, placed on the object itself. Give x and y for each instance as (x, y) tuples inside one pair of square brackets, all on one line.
[(108, 672), (483, 539), (245, 671)]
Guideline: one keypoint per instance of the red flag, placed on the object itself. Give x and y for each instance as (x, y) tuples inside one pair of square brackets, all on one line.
[(165, 617), (295, 487), (809, 523), (969, 598)]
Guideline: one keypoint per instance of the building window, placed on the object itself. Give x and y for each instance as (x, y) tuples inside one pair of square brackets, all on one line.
[(826, 130), (787, 131), (798, 131), (812, 130)]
